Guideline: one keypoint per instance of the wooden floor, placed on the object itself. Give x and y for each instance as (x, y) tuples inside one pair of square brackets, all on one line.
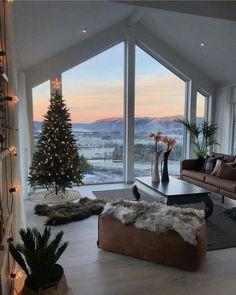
[(91, 271)]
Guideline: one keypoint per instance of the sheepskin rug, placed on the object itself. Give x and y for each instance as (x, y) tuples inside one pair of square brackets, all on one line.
[(68, 212), (157, 217)]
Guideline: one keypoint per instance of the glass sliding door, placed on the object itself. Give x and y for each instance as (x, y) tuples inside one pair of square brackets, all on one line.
[(159, 101)]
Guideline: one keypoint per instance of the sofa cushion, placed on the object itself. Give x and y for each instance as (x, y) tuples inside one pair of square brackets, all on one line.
[(222, 183), (227, 158), (227, 171), (207, 186), (209, 164), (194, 174), (217, 167)]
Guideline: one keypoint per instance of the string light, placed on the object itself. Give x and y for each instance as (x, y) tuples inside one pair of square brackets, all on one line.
[(15, 189), (13, 150), (14, 98)]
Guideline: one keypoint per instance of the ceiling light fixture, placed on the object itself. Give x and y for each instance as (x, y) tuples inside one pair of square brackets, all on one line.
[(83, 31), (202, 44)]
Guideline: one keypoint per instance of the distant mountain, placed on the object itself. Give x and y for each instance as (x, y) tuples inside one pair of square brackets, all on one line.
[(166, 125)]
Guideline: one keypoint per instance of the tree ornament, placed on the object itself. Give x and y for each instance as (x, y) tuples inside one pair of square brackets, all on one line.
[(56, 84), (51, 156)]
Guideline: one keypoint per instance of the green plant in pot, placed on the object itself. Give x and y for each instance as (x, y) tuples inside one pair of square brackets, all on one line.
[(203, 135), (37, 255)]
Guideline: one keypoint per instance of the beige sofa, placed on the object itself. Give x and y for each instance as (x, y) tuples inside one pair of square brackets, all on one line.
[(189, 171)]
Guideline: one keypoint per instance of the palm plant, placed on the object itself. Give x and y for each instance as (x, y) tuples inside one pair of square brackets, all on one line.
[(203, 135), (37, 256)]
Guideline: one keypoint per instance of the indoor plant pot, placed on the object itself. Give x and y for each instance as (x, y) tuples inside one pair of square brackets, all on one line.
[(57, 285), (37, 256)]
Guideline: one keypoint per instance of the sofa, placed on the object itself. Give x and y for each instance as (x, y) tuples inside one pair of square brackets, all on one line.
[(190, 172), (169, 248)]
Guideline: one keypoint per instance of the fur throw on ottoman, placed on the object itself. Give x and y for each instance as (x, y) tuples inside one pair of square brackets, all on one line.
[(68, 212), (157, 217)]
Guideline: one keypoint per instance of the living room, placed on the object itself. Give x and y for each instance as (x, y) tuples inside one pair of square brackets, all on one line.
[(188, 45)]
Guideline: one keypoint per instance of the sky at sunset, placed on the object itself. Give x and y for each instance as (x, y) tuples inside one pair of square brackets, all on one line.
[(94, 89)]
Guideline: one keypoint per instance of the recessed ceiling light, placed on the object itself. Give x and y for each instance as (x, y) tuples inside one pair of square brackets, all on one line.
[(83, 31), (203, 44)]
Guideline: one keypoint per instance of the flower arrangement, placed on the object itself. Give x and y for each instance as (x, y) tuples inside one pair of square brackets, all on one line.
[(157, 138), (169, 142)]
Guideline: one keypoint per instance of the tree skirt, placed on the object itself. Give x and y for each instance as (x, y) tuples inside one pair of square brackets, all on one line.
[(45, 197)]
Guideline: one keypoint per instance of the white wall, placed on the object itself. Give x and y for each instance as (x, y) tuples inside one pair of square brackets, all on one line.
[(225, 97)]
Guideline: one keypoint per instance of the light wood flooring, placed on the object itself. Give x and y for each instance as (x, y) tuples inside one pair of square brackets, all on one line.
[(91, 271)]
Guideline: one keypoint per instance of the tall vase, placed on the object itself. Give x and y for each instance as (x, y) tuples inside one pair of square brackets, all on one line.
[(155, 169), (165, 174)]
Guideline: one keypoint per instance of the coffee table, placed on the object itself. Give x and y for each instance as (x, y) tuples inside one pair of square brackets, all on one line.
[(176, 191)]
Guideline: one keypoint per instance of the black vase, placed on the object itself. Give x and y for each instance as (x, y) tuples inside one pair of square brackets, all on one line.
[(200, 163), (165, 174)]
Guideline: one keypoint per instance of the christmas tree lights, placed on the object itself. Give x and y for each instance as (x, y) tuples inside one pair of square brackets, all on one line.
[(56, 163)]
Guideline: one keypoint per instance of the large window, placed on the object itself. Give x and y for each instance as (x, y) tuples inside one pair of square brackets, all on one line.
[(41, 96), (159, 100), (201, 110), (94, 95), (234, 130)]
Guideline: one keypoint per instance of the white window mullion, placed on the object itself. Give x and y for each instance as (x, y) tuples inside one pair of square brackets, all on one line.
[(191, 115), (129, 94)]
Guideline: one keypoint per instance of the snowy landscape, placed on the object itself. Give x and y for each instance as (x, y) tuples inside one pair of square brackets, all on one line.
[(101, 143)]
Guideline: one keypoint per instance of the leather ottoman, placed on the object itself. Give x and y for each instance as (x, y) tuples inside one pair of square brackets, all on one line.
[(166, 248)]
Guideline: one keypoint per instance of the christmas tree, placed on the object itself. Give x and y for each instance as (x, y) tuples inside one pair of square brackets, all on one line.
[(56, 163)]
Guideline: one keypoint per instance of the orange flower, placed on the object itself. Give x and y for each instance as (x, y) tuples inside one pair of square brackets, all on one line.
[(170, 142), (165, 139), (157, 137)]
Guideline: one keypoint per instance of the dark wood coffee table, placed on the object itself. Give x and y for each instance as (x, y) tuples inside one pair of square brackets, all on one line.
[(176, 191)]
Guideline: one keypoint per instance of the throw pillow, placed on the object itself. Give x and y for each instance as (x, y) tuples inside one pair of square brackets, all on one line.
[(227, 171), (219, 160), (209, 164)]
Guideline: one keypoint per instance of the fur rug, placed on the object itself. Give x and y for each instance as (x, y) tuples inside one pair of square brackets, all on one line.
[(68, 212), (157, 217), (154, 217)]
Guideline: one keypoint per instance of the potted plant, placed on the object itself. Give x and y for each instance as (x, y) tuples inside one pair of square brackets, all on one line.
[(203, 135), (37, 255)]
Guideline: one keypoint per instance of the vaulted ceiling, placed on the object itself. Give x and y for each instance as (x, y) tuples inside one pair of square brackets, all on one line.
[(45, 28)]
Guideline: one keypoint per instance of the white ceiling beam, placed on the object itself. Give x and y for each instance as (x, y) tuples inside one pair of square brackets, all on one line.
[(216, 9), (137, 16)]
